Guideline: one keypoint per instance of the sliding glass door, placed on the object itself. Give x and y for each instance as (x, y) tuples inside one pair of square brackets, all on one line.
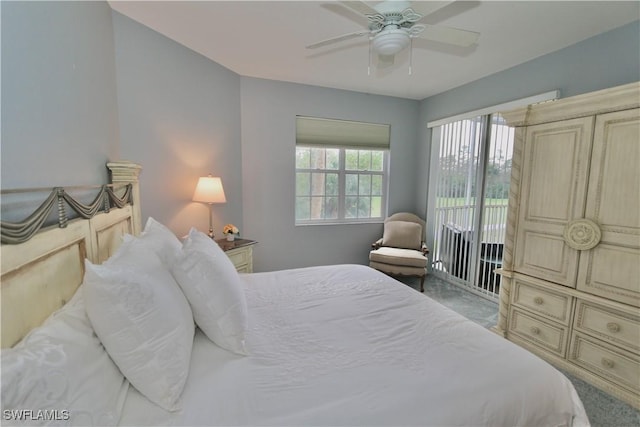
[(471, 173)]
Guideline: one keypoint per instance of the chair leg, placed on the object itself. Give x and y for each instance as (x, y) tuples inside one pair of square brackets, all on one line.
[(422, 284)]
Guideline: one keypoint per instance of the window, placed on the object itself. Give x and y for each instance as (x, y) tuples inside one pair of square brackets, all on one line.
[(338, 183), (468, 194), (471, 193)]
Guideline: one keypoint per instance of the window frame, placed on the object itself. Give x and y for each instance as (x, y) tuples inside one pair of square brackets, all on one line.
[(342, 173)]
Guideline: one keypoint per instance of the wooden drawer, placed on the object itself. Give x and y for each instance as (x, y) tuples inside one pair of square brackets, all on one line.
[(615, 326), (554, 306), (606, 361), (240, 252), (550, 336), (239, 256), (244, 268)]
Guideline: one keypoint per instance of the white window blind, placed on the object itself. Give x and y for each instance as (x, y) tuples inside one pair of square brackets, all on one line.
[(314, 131)]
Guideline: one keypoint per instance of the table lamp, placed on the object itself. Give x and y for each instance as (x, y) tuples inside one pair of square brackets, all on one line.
[(209, 190)]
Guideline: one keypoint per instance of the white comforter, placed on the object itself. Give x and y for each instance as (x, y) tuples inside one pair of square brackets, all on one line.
[(346, 345)]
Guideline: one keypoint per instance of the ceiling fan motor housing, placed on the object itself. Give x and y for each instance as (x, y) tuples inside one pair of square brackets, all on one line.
[(392, 27), (390, 41)]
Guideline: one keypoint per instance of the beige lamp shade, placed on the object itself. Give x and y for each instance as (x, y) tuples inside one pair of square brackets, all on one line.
[(209, 190)]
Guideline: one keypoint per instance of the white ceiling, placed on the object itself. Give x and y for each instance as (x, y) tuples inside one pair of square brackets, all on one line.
[(267, 39)]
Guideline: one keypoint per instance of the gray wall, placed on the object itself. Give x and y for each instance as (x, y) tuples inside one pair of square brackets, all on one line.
[(59, 111), (607, 60), (268, 170), (180, 119)]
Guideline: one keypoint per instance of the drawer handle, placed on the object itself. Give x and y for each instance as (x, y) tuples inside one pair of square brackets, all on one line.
[(613, 327), (607, 363), (538, 300), (535, 330)]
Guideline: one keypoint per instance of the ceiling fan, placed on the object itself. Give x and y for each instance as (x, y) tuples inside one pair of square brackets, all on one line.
[(393, 24)]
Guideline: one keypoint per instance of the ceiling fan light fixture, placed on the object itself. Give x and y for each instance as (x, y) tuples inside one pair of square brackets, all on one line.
[(390, 42)]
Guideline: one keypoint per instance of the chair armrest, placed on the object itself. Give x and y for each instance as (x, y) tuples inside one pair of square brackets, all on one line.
[(424, 248), (377, 244)]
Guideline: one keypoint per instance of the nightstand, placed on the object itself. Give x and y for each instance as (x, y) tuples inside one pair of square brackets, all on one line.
[(240, 252)]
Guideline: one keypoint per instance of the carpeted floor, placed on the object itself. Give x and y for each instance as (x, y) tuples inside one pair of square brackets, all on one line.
[(602, 409)]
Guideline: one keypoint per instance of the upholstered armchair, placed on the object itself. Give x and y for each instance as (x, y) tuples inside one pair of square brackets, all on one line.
[(401, 251)]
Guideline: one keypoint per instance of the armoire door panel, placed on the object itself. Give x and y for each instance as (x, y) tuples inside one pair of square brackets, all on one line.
[(554, 177), (555, 173), (612, 272), (549, 258), (614, 197), (612, 269)]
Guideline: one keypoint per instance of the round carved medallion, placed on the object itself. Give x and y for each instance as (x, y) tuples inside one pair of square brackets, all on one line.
[(582, 234)]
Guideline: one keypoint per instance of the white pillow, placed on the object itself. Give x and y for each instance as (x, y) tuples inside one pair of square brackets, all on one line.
[(143, 320), (161, 240), (61, 365), (215, 291)]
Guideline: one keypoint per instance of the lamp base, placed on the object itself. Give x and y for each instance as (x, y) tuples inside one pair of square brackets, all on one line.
[(211, 220)]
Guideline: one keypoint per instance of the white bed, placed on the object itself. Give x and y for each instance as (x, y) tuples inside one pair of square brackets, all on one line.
[(335, 345), (346, 345)]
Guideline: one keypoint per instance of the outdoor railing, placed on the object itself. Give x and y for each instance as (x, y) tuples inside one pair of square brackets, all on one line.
[(460, 219)]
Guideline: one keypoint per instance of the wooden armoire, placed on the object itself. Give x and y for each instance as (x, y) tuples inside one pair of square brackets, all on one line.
[(571, 265)]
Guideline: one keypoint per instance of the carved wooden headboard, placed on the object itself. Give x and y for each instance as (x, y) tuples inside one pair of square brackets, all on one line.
[(41, 274)]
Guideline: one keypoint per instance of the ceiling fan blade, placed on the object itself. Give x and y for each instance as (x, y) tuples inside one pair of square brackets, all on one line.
[(360, 7), (426, 8), (338, 39), (449, 35)]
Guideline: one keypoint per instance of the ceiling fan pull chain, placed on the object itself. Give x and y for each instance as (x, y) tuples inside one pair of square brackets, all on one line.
[(369, 65), (410, 55)]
